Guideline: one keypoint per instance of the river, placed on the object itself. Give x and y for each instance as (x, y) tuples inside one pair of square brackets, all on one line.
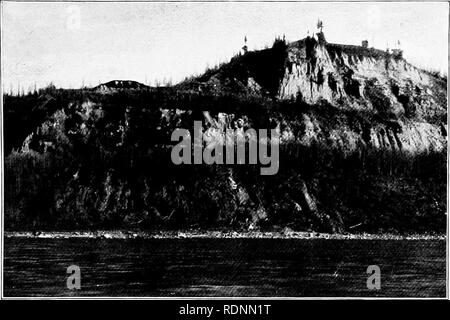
[(224, 267)]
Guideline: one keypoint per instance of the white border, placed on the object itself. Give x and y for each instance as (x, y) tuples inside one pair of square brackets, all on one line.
[(2, 297)]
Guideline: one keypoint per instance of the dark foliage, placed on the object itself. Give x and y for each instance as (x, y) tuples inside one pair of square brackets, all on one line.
[(106, 164)]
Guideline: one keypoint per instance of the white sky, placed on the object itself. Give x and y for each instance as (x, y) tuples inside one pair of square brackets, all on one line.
[(74, 43)]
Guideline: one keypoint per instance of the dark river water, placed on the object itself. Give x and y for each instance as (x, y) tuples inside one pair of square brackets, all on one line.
[(224, 267)]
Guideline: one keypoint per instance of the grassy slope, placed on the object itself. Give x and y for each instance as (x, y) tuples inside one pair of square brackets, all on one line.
[(106, 164)]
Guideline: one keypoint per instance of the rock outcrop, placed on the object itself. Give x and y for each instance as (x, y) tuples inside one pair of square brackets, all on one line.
[(363, 140)]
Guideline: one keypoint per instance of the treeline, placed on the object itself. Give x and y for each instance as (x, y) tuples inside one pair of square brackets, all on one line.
[(106, 164), (49, 194)]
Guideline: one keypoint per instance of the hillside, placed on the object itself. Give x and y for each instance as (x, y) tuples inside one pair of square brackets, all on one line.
[(363, 148), (120, 85)]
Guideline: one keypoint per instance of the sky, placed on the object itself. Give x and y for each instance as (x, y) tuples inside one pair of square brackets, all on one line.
[(74, 44)]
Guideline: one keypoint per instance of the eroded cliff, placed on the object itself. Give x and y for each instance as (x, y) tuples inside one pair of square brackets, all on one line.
[(362, 148)]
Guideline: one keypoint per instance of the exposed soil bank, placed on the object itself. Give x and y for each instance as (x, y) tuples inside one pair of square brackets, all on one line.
[(286, 234)]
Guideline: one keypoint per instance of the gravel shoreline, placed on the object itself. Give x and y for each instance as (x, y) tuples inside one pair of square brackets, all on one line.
[(190, 234)]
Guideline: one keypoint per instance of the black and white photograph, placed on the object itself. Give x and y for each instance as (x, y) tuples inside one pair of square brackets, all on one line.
[(228, 149)]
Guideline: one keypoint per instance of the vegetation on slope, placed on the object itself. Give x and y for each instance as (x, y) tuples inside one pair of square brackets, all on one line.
[(103, 161), (94, 158)]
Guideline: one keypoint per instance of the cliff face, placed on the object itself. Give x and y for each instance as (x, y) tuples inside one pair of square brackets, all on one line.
[(343, 75), (407, 106), (371, 81), (333, 72), (362, 143)]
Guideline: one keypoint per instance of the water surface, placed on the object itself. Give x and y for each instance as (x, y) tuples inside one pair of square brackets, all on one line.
[(224, 267)]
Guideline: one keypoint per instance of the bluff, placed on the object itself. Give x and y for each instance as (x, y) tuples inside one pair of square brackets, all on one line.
[(362, 148)]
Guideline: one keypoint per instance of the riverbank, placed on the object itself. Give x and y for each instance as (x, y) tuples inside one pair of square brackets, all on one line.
[(285, 234)]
